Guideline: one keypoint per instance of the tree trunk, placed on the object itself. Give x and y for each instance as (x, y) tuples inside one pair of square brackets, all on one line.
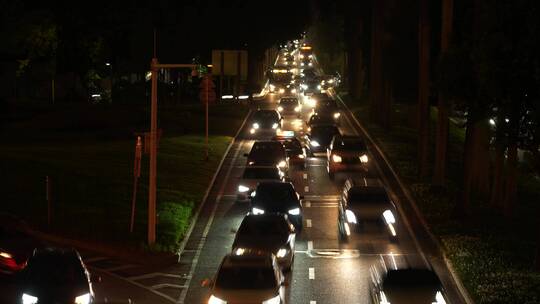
[(441, 142), (375, 81), (511, 181), (497, 189), (423, 88)]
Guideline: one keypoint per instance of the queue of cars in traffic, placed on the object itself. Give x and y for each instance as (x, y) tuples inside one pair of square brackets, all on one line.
[(263, 250)]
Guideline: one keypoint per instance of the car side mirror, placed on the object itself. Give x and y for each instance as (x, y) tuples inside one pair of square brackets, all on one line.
[(206, 282), (246, 155), (94, 278)]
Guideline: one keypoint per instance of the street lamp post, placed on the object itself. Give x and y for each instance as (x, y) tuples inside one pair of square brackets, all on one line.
[(110, 80)]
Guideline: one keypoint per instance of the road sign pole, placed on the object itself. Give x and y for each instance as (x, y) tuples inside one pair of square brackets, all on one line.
[(206, 121), (153, 158), (136, 175)]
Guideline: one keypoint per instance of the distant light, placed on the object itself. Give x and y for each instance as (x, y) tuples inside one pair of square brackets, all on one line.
[(210, 65), (506, 119), (107, 64), (492, 122), (227, 97), (96, 95), (243, 97)]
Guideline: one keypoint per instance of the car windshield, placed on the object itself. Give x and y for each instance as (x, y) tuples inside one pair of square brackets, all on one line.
[(246, 278), (275, 196), (359, 196), (261, 173), (265, 115), (324, 132), (263, 226), (55, 270), (267, 150), (349, 144)]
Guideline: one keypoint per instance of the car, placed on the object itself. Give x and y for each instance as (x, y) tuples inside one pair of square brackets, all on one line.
[(346, 153), (272, 233), (289, 105), (265, 121), (365, 201), (268, 153), (247, 278), (278, 197), (320, 119), (255, 174), (17, 244), (393, 282), (311, 86), (313, 100), (327, 106), (319, 137), (293, 147), (55, 275)]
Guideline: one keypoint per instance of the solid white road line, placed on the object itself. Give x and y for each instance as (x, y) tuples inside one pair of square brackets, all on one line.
[(308, 223), (312, 302), (311, 273), (310, 245)]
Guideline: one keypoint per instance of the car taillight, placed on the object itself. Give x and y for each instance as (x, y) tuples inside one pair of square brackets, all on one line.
[(9, 262)]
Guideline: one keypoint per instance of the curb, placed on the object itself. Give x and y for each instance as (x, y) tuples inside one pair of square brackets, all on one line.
[(404, 188), (195, 217)]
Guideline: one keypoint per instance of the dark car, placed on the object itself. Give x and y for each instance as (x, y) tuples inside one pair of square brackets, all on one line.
[(346, 153), (327, 106), (393, 282), (278, 197), (289, 105), (247, 278), (55, 276), (17, 244), (319, 137), (268, 153), (272, 233), (294, 149), (366, 201), (255, 174), (268, 121), (320, 119)]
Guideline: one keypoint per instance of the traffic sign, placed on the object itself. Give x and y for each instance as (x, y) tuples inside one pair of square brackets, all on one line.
[(207, 93)]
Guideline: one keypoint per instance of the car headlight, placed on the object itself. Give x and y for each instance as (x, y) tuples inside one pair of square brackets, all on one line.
[(256, 126), (319, 87), (351, 218), (310, 64), (282, 164), (257, 211), (293, 91), (297, 108), (83, 299), (295, 211), (439, 298), (215, 300), (310, 56), (331, 81), (314, 143), (239, 251), (242, 188), (274, 126), (274, 300), (280, 108), (304, 86), (281, 253), (302, 64), (302, 56), (28, 299), (364, 158), (272, 87), (337, 115), (281, 90), (389, 217), (301, 156), (252, 131), (336, 158)]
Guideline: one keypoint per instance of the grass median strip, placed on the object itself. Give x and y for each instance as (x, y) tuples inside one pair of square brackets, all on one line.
[(91, 181)]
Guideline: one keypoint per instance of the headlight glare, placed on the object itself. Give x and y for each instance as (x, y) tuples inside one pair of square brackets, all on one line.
[(314, 143), (351, 218), (242, 188), (215, 300), (337, 115), (336, 158), (257, 211), (282, 164), (255, 126), (274, 300), (83, 299), (28, 299), (274, 126), (280, 108), (295, 211), (281, 253), (364, 158)]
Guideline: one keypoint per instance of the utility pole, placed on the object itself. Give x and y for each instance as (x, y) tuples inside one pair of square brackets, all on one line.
[(153, 157)]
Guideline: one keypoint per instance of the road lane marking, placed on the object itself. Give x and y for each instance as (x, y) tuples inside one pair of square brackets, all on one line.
[(311, 273), (310, 245), (202, 240), (308, 223), (307, 204), (167, 285), (158, 274), (305, 175), (312, 302), (306, 189)]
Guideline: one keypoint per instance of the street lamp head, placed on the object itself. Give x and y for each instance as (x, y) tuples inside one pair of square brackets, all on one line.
[(107, 63)]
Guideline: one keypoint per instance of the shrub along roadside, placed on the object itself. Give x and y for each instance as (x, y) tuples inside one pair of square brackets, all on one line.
[(492, 256)]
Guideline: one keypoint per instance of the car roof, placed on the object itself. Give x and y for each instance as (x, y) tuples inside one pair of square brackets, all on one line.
[(369, 184), (277, 217)]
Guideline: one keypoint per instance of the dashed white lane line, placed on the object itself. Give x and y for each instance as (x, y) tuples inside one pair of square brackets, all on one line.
[(312, 302), (310, 245), (307, 204), (306, 189), (311, 273), (305, 175), (308, 223)]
